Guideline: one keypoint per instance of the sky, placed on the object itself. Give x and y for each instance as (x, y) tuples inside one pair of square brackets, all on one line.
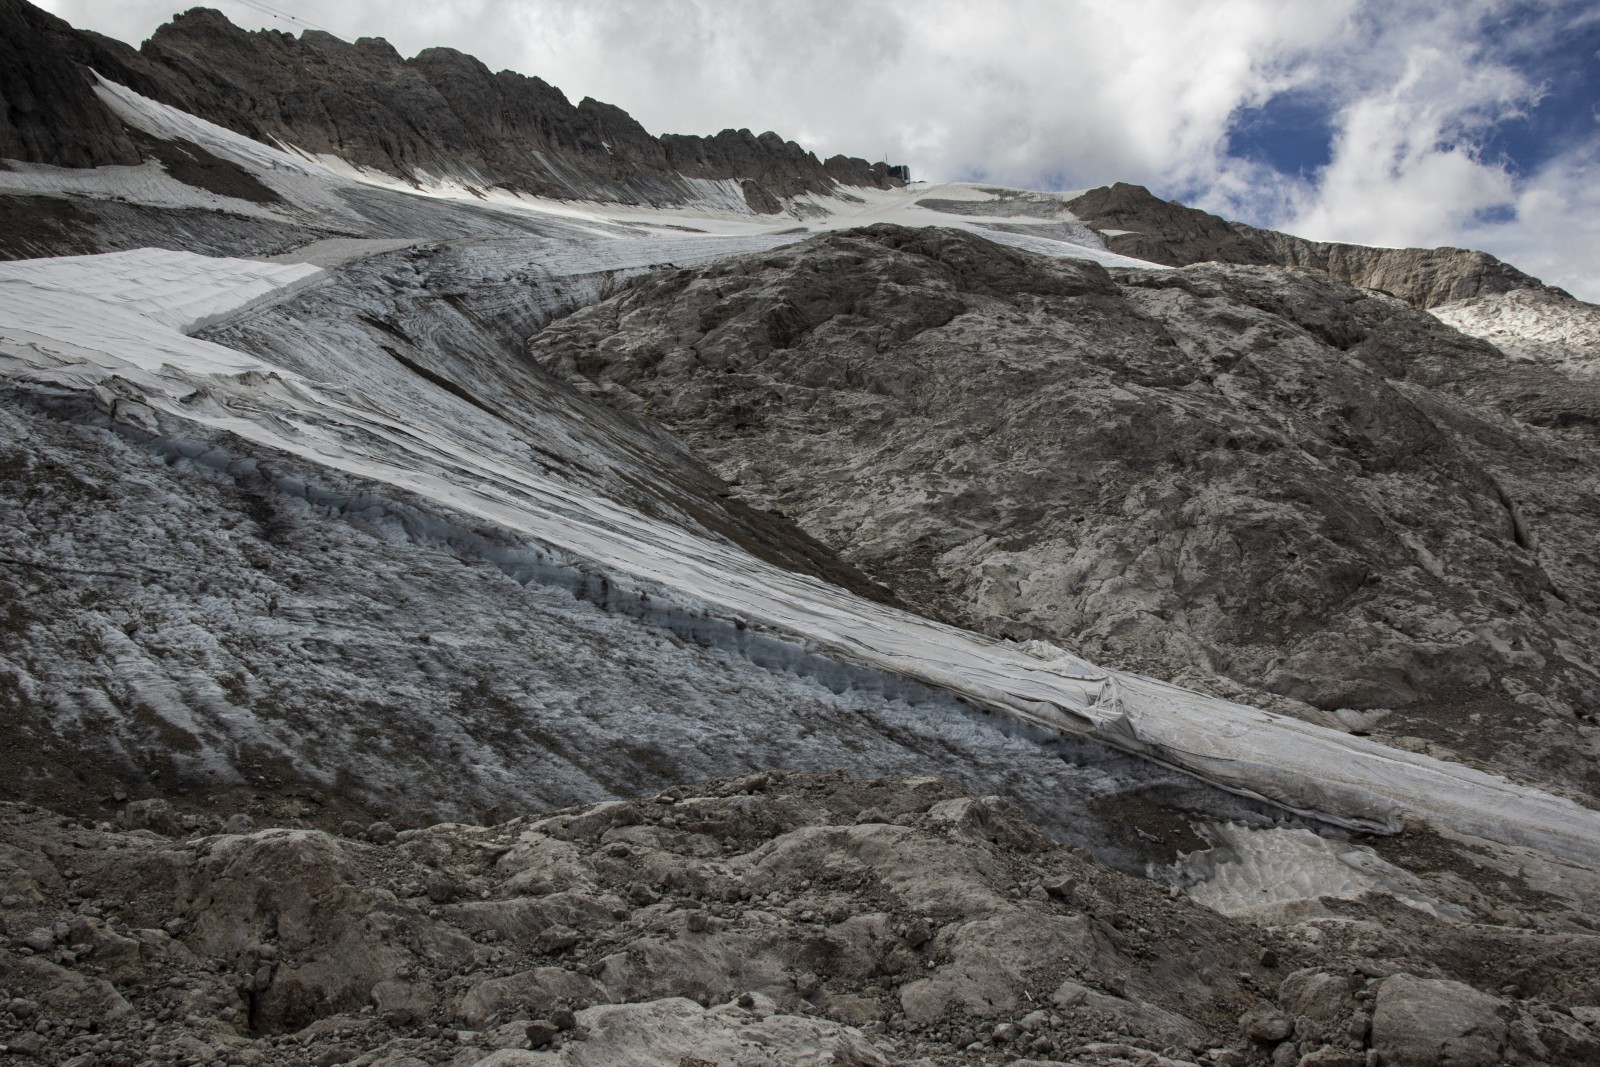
[(1473, 123)]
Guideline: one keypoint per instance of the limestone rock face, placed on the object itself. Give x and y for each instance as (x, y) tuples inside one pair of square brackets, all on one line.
[(777, 166), (1165, 231), (1260, 482), (1422, 277), (1545, 327)]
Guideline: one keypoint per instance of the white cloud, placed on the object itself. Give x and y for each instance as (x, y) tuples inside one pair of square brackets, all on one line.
[(1404, 167), (1555, 234), (1041, 93), (1408, 166)]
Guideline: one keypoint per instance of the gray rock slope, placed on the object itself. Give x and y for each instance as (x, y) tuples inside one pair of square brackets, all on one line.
[(440, 113), (766, 920), (1261, 482)]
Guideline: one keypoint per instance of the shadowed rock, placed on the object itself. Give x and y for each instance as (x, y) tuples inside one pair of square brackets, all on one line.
[(48, 110)]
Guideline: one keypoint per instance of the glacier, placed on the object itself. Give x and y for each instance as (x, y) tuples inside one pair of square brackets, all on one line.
[(404, 656), (111, 326)]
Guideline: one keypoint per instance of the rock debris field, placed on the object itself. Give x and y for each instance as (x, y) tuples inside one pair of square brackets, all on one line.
[(770, 919)]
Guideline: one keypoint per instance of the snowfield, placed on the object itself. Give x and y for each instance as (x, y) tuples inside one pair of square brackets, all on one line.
[(111, 325), (178, 290)]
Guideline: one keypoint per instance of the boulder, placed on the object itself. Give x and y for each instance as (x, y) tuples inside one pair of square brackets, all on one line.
[(1316, 994), (679, 1031), (1435, 1022), (540, 991), (1266, 1025), (154, 815)]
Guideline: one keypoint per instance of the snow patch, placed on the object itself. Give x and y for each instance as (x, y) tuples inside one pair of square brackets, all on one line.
[(294, 177)]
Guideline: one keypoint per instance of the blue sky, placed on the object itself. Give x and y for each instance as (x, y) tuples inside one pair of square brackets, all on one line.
[(1409, 122), (1292, 133), (1559, 58), (1566, 64)]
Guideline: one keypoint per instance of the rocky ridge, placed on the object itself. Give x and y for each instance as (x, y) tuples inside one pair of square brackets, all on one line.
[(1423, 277), (1136, 223), (440, 115), (768, 919)]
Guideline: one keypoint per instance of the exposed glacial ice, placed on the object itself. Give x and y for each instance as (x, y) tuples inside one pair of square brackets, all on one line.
[(370, 644), (471, 470)]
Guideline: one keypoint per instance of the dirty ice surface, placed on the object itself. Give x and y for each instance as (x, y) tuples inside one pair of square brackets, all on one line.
[(1272, 873), (423, 450)]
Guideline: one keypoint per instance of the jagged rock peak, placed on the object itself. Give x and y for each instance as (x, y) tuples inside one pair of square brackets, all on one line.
[(441, 113), (1162, 231)]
